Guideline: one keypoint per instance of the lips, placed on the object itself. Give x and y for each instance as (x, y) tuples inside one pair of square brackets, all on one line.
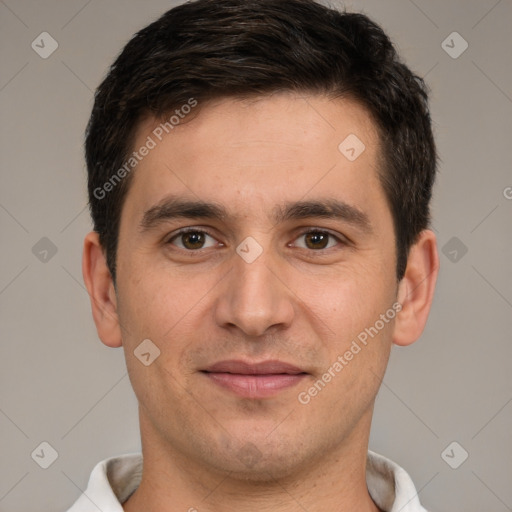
[(263, 368), (254, 380)]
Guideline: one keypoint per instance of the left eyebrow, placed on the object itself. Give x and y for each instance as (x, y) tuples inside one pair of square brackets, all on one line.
[(175, 207), (324, 208)]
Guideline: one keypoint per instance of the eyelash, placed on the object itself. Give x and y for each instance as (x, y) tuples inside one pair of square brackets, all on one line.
[(306, 232)]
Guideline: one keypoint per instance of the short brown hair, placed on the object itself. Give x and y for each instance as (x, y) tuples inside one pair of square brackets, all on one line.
[(208, 49)]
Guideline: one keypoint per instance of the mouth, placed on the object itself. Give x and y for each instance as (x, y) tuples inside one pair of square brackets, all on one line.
[(254, 380)]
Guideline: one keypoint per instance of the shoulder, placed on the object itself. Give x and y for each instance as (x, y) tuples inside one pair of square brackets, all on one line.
[(111, 482), (390, 486)]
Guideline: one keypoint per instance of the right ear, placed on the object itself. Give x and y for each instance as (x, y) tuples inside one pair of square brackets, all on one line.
[(100, 286)]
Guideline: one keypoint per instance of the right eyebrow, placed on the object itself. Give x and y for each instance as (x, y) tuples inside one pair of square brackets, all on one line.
[(174, 207)]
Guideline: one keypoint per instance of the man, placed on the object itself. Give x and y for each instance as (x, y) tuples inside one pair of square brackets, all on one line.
[(259, 180)]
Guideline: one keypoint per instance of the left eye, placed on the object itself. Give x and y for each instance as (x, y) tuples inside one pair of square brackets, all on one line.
[(317, 240)]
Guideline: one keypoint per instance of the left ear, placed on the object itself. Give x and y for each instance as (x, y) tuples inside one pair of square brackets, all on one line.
[(416, 289)]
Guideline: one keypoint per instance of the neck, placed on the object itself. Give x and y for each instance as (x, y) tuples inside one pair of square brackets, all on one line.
[(173, 481)]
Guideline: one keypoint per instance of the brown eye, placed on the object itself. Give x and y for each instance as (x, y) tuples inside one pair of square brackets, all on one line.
[(318, 240), (191, 240)]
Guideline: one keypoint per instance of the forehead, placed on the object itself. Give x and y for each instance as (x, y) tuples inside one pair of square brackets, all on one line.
[(257, 153)]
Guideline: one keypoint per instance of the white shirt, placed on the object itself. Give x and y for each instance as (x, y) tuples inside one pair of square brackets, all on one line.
[(113, 480)]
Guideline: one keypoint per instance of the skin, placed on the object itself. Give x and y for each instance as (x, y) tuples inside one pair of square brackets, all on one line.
[(300, 301)]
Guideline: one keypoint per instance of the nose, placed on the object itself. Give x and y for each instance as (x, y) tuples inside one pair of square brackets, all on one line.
[(254, 297)]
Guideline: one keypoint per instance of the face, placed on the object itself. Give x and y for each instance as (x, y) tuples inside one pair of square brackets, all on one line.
[(259, 295)]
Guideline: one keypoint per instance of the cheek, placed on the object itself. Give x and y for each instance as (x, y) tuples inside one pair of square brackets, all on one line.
[(171, 310), (153, 301), (359, 341), (163, 311), (351, 302), (356, 351)]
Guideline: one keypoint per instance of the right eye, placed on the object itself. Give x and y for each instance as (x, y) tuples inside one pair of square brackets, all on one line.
[(191, 239)]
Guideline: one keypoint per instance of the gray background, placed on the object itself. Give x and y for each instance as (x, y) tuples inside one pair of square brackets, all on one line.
[(59, 384)]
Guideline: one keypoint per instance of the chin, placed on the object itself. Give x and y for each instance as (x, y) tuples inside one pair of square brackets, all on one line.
[(258, 461)]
